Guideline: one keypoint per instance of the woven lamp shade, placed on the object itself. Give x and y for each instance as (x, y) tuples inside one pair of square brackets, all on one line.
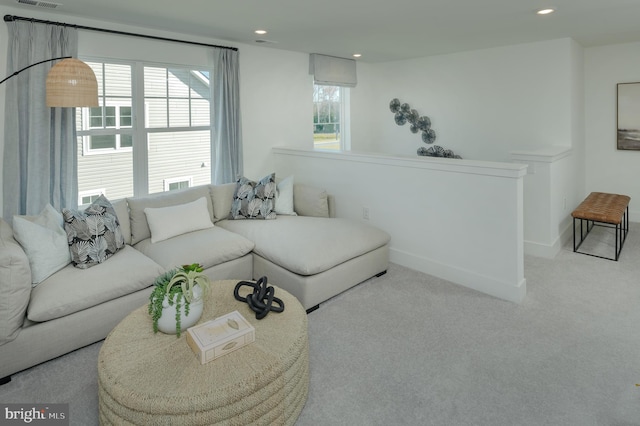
[(72, 83)]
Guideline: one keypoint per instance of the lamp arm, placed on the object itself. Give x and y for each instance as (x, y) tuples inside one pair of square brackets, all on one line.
[(33, 65)]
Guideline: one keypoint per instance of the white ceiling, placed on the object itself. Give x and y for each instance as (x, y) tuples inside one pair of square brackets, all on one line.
[(379, 30)]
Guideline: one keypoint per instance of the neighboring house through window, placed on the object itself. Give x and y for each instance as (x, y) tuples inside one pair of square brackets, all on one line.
[(178, 183), (153, 126), (330, 117)]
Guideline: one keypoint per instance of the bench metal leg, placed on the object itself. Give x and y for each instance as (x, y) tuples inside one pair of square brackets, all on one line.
[(621, 230)]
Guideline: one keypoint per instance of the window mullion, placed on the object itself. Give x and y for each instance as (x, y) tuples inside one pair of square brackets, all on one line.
[(140, 145)]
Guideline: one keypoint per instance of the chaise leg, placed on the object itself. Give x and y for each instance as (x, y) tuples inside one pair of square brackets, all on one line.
[(381, 273), (5, 380), (313, 308)]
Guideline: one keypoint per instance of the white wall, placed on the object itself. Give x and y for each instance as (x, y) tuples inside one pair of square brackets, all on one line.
[(607, 169), (482, 104)]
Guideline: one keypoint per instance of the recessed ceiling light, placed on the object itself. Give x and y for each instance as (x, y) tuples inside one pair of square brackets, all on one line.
[(357, 55), (545, 11), (261, 32)]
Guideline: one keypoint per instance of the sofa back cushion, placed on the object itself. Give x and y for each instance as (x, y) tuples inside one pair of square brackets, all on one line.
[(139, 225), (44, 241), (310, 201), (122, 212), (15, 284), (222, 198)]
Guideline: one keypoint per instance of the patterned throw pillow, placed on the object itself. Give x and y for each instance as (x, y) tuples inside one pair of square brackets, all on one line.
[(94, 234), (254, 200)]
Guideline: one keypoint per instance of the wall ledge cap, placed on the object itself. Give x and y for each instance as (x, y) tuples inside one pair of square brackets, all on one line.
[(488, 168)]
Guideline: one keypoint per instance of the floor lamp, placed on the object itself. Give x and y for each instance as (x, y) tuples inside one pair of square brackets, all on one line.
[(70, 83)]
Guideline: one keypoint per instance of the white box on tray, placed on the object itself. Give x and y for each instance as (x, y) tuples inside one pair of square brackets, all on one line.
[(220, 336)]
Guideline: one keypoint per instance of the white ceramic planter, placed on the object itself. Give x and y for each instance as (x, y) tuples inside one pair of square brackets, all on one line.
[(167, 321)]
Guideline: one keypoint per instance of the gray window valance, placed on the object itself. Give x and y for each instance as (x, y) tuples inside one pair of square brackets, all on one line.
[(332, 71)]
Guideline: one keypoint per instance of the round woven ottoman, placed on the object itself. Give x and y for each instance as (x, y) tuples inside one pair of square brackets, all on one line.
[(156, 379)]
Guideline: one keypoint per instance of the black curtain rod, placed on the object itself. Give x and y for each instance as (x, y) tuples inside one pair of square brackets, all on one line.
[(11, 18)]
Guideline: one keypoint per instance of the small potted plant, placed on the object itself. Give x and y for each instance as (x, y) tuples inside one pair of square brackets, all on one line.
[(176, 300)]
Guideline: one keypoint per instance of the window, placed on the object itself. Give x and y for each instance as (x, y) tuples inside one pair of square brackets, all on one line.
[(88, 197), (153, 126), (178, 183), (330, 109)]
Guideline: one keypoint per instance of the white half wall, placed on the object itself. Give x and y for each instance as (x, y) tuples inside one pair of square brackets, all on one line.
[(460, 220), (548, 199)]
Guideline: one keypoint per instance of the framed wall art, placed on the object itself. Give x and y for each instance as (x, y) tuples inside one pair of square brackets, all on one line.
[(628, 117)]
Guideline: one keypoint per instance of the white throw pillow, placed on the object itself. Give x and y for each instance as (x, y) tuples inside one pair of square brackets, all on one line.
[(44, 240), (168, 222), (284, 197)]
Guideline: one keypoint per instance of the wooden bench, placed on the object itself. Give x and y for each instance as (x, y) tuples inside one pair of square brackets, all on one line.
[(602, 209)]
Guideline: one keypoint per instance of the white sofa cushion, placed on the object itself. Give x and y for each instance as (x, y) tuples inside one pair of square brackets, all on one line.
[(308, 245), (284, 196), (71, 289), (168, 222), (208, 247), (139, 225), (222, 198), (122, 212), (310, 201), (45, 242), (15, 284)]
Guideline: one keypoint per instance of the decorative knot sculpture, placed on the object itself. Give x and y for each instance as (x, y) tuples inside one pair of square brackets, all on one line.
[(262, 299)]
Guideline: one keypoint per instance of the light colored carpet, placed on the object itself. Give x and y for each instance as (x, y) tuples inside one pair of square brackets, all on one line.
[(411, 349)]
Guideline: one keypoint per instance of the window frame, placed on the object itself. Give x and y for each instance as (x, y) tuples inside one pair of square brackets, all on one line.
[(166, 183), (139, 130), (344, 123)]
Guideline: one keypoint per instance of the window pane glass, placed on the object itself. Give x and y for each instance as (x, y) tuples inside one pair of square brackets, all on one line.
[(178, 113), (95, 117), (112, 171), (125, 116), (155, 82), (200, 113), (101, 162), (178, 81), (97, 70), (102, 141), (176, 154), (117, 80), (327, 103), (110, 116), (156, 113), (200, 86), (178, 185), (126, 141)]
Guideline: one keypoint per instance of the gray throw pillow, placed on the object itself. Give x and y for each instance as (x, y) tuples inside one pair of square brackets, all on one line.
[(94, 234), (254, 200)]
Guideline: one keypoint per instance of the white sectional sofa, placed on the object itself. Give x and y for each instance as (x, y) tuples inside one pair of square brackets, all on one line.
[(312, 255)]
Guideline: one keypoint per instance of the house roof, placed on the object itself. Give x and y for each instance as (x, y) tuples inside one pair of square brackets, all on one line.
[(379, 30)]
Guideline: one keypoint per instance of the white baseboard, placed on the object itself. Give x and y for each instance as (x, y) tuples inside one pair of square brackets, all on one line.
[(512, 292), (549, 251)]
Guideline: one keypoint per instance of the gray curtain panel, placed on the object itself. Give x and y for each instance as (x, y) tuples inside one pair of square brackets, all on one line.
[(228, 134), (40, 162)]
